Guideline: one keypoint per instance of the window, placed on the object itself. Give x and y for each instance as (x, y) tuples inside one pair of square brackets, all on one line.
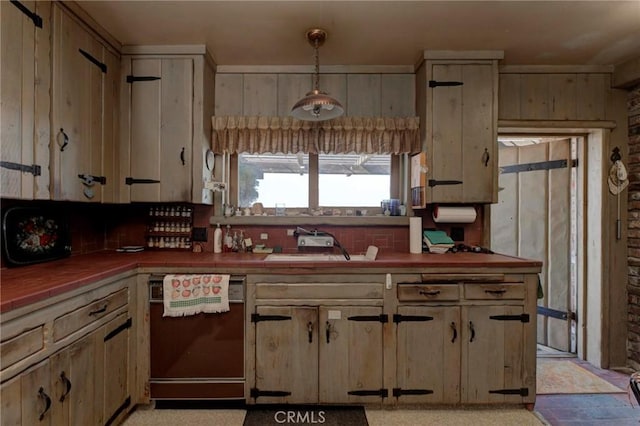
[(309, 180)]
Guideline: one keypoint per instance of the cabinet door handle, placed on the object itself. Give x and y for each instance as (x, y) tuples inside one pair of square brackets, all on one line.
[(98, 311), (310, 331), (182, 156), (454, 332), (62, 139), (328, 331), (67, 383), (472, 330), (485, 157), (429, 292), (47, 400)]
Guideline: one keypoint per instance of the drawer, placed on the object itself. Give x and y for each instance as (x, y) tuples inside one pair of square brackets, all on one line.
[(81, 317), (21, 346), (494, 291), (428, 292)]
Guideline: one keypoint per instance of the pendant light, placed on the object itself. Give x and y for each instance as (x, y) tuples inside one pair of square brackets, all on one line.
[(317, 105)]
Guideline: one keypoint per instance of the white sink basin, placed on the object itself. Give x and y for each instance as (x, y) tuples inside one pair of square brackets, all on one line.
[(303, 257)]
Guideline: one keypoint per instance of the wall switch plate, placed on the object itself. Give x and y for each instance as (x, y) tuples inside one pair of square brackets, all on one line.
[(290, 232), (264, 236), (199, 234)]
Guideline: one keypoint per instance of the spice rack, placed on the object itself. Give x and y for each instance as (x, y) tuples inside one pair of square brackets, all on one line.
[(169, 227)]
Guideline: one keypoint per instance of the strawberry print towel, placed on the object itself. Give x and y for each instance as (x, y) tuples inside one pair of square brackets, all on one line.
[(191, 294)]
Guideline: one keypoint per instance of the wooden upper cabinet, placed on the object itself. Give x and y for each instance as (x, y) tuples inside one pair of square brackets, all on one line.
[(457, 99), (167, 106), (83, 120), (24, 89)]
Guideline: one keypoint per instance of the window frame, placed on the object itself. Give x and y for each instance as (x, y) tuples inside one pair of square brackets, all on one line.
[(395, 182)]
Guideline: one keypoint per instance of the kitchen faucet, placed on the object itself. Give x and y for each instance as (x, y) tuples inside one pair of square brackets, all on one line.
[(301, 231)]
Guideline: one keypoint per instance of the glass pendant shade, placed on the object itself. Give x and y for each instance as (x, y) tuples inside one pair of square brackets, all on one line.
[(317, 105)]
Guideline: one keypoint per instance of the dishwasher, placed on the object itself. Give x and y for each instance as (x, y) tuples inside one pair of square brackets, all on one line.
[(197, 357)]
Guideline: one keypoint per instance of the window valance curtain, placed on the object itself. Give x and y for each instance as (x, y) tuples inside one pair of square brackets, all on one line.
[(366, 135)]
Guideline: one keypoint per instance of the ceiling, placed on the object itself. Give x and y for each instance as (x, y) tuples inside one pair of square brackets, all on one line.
[(381, 32)]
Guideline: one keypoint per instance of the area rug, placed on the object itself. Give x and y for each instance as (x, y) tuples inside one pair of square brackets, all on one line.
[(277, 415), (567, 377)]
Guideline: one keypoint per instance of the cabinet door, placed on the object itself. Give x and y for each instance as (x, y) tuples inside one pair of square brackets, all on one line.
[(74, 381), (161, 132), (20, 84), (492, 364), (35, 396), (428, 354), (10, 409), (461, 137), (115, 368), (286, 354), (78, 79), (350, 367)]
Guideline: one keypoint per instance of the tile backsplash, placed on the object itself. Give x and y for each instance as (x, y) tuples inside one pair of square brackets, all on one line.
[(96, 227)]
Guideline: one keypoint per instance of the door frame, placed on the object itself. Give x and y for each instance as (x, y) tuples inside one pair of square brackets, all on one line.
[(592, 235)]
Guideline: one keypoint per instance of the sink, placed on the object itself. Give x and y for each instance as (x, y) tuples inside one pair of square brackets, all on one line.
[(372, 252), (304, 257)]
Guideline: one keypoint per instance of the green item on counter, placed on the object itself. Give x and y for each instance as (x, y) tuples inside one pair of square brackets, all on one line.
[(438, 237)]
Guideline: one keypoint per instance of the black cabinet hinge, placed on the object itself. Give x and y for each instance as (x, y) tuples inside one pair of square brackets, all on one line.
[(255, 393), (521, 318), (433, 83), (34, 169), (134, 78), (37, 20), (133, 181), (401, 318), (258, 317), (93, 60), (435, 182), (382, 393), (118, 330), (121, 408), (89, 179), (378, 318), (399, 392), (520, 391)]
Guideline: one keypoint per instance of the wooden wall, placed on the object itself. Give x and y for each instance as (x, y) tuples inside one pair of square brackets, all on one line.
[(259, 92)]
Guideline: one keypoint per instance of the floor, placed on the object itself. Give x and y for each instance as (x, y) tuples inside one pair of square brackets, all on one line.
[(621, 409)]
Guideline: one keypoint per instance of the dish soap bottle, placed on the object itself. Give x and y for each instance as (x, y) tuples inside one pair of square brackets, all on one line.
[(217, 239)]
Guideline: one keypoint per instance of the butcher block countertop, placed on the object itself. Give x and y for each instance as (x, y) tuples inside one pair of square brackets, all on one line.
[(24, 285)]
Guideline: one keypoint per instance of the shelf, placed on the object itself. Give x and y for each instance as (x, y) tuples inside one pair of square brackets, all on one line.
[(311, 220)]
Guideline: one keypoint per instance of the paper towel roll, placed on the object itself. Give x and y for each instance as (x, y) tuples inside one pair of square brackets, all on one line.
[(450, 214), (415, 235)]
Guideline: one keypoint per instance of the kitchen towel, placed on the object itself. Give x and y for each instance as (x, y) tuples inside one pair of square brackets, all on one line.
[(415, 235), (194, 293)]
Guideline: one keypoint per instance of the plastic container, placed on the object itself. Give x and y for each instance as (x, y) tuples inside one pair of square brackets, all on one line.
[(217, 239)]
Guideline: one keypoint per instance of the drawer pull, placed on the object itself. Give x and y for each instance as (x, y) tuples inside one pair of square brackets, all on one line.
[(98, 311), (328, 332), (67, 383), (496, 292), (47, 400), (310, 330), (429, 292), (472, 330), (454, 331)]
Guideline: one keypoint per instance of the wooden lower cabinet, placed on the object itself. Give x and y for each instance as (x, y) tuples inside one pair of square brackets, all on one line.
[(492, 354), (86, 383), (75, 374), (460, 354), (318, 354), (428, 354)]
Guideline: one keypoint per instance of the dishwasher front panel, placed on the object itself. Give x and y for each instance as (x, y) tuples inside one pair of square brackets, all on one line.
[(198, 356)]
